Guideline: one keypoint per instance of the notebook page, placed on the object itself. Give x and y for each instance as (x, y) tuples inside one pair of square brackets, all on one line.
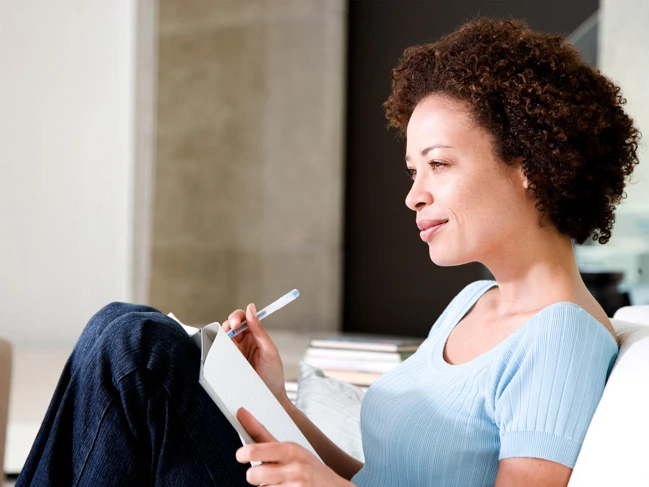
[(232, 383)]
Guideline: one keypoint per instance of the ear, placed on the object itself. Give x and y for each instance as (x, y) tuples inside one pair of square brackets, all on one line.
[(523, 176)]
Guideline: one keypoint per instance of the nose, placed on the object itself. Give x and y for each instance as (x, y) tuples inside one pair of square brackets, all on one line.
[(419, 195)]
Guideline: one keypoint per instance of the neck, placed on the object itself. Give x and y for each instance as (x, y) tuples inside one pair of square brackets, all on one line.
[(536, 272)]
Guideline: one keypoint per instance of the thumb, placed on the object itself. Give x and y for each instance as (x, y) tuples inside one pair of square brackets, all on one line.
[(256, 328), (254, 428)]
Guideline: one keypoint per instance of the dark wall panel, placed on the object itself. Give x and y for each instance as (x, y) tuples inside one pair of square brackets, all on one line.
[(391, 286)]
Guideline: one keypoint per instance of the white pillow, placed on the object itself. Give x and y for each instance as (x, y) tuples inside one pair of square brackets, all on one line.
[(333, 406)]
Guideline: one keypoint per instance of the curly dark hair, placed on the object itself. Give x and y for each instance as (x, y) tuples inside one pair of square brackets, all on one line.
[(543, 105)]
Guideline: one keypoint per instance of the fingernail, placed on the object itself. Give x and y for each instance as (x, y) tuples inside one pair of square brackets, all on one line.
[(254, 310)]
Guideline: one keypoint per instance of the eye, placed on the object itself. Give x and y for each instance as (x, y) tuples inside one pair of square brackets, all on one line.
[(410, 172), (436, 164)]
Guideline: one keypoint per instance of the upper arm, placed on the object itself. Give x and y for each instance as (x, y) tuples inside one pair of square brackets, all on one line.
[(532, 472), (548, 393)]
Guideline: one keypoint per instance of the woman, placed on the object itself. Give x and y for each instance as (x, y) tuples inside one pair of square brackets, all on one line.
[(515, 148)]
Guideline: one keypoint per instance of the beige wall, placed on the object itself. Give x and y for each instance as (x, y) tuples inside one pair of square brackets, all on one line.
[(249, 173)]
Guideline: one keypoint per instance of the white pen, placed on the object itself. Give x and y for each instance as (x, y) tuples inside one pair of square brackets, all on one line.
[(271, 308)]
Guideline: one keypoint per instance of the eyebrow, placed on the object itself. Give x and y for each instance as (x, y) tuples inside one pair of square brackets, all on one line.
[(432, 147)]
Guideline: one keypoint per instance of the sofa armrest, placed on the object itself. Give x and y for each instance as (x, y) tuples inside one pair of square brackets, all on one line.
[(5, 387)]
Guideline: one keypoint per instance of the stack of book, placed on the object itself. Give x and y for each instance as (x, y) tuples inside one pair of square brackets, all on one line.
[(359, 360)]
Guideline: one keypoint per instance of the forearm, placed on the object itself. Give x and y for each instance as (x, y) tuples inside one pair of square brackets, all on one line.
[(340, 462)]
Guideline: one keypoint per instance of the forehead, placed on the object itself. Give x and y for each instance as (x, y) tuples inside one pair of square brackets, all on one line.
[(439, 120)]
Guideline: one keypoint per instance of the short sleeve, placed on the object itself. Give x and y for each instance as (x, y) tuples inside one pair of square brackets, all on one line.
[(548, 388)]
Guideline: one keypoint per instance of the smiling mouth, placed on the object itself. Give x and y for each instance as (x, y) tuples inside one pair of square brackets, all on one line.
[(428, 231)]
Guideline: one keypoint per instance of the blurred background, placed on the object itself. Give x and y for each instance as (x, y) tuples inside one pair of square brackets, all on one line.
[(197, 155)]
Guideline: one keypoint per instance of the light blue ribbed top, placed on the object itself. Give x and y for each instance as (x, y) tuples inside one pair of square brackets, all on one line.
[(429, 423)]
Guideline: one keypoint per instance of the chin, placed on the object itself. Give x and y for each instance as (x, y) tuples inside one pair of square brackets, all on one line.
[(446, 259)]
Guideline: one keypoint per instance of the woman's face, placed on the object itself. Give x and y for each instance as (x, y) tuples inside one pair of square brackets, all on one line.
[(469, 205)]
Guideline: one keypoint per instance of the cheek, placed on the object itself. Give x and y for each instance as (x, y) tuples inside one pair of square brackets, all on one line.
[(496, 217), (480, 212), (467, 204)]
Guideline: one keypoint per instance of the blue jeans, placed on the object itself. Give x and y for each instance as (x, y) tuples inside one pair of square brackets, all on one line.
[(128, 410)]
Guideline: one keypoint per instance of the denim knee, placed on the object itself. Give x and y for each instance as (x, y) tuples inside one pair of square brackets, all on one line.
[(114, 310), (148, 340), (97, 325)]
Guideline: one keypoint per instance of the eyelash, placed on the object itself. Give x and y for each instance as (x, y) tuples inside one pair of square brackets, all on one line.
[(411, 173)]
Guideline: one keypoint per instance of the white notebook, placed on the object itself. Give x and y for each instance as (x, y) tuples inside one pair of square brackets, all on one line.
[(232, 383)]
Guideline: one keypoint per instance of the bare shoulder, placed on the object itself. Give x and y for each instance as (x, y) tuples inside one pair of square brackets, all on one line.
[(597, 312)]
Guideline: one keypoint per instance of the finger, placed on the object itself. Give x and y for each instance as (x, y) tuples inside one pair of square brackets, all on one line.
[(272, 452), (254, 428), (266, 474), (235, 318), (256, 328)]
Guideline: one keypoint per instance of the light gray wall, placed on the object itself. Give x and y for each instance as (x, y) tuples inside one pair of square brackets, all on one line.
[(624, 57), (249, 171), (66, 154)]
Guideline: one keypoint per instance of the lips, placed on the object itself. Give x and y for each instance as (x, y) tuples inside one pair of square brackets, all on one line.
[(428, 228), (426, 224)]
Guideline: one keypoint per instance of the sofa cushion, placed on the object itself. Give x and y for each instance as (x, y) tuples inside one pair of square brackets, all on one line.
[(333, 406)]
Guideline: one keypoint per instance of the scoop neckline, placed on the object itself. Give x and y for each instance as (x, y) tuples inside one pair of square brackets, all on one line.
[(438, 355)]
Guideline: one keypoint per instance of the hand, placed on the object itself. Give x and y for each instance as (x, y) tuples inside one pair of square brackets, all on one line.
[(285, 463), (258, 348)]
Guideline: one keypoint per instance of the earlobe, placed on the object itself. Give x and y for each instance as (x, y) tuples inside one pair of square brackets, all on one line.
[(526, 183)]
